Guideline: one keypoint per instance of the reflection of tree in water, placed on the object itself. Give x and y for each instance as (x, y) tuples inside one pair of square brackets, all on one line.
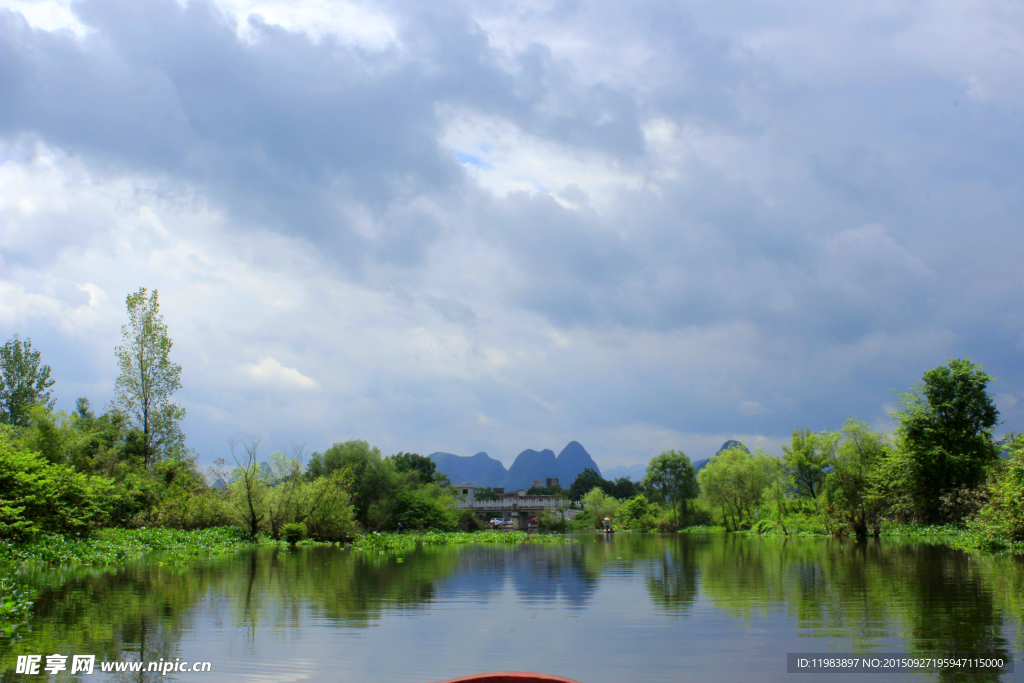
[(672, 574), (128, 614), (932, 596), (939, 600), (951, 610)]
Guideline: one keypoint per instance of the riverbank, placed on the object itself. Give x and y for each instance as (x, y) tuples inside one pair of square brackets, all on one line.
[(116, 546)]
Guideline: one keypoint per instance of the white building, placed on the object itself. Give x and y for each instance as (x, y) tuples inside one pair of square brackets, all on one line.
[(468, 491)]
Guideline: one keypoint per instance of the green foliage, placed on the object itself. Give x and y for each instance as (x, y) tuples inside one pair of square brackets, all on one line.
[(551, 520), (470, 521), (601, 505), (375, 481), (735, 482), (418, 509), (638, 514), (553, 490), (585, 482), (24, 383), (420, 466), (327, 509), (849, 489), (116, 546), (672, 474), (1002, 518), (16, 602), (622, 488), (293, 532), (38, 496), (148, 378), (247, 492), (806, 460), (944, 439), (487, 493)]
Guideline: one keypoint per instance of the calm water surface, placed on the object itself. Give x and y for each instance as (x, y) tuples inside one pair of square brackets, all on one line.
[(626, 608)]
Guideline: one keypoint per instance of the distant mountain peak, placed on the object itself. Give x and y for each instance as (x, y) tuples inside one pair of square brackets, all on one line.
[(480, 469)]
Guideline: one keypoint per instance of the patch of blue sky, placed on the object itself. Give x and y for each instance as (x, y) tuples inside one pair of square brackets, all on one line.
[(471, 159)]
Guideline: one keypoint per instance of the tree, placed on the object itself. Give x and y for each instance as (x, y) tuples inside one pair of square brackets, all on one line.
[(1002, 518), (806, 461), (148, 378), (375, 481), (487, 493), (585, 482), (23, 382), (735, 480), (674, 476), (424, 467), (601, 504), (945, 433), (848, 488), (248, 490), (623, 488), (638, 514)]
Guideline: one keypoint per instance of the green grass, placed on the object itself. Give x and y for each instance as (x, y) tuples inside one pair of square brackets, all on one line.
[(389, 541)]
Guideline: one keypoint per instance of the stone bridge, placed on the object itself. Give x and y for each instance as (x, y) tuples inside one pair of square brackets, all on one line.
[(520, 509)]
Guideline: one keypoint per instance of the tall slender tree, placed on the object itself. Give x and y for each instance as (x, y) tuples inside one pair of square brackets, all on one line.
[(148, 378), (23, 381)]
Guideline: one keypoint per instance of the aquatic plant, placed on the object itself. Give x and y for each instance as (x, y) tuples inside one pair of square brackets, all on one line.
[(114, 546), (15, 606), (385, 542)]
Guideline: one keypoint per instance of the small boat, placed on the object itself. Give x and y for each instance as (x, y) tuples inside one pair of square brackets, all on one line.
[(511, 677)]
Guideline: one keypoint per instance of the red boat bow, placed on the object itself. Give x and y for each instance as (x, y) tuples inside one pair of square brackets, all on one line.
[(511, 677)]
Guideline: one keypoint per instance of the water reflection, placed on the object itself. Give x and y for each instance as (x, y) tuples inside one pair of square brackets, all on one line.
[(665, 601)]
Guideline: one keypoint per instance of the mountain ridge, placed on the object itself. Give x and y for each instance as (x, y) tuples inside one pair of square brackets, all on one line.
[(529, 466)]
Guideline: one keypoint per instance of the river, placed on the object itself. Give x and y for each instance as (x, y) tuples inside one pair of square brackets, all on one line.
[(629, 607)]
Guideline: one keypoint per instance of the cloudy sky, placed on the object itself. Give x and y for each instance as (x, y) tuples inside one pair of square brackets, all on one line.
[(464, 226)]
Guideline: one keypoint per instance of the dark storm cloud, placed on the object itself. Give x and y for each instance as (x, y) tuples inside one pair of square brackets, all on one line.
[(851, 204), (284, 130)]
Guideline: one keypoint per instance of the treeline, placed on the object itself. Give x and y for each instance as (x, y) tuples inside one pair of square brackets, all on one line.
[(70, 473), (941, 465), (129, 467)]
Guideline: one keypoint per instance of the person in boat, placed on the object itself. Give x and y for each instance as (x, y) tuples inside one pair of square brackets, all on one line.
[(607, 525)]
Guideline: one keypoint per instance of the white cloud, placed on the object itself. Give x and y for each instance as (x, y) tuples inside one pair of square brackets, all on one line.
[(270, 371), (1006, 400), (783, 209), (751, 408)]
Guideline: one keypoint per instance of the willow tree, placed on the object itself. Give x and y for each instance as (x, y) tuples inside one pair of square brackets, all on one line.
[(148, 378)]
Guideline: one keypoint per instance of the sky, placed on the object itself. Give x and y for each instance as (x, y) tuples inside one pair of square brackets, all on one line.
[(492, 226)]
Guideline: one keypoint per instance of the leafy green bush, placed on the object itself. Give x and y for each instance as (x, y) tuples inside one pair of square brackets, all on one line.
[(1002, 518), (549, 520), (37, 496), (417, 509), (638, 514), (294, 532), (468, 521)]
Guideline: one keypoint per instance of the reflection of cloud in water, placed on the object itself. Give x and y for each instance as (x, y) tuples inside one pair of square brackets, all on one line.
[(282, 671), (537, 574)]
